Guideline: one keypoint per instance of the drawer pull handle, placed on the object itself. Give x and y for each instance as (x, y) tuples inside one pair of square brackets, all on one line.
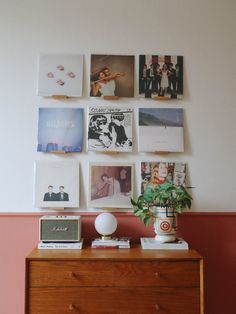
[(157, 307), (157, 274), (74, 275), (72, 307)]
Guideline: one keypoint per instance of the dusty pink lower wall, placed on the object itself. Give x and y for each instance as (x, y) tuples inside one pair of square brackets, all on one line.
[(212, 235)]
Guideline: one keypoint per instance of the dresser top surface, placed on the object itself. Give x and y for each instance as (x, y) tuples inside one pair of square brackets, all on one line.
[(135, 253)]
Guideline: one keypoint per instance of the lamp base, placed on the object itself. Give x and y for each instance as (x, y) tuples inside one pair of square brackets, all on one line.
[(106, 237)]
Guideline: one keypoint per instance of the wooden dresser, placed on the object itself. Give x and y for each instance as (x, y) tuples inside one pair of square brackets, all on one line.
[(130, 281)]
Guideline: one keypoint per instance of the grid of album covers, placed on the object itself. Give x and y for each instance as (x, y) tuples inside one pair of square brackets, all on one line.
[(108, 128)]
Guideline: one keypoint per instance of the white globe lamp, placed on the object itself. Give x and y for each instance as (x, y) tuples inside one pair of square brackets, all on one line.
[(105, 224)]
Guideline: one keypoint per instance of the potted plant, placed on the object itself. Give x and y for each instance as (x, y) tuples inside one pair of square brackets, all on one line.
[(160, 205)]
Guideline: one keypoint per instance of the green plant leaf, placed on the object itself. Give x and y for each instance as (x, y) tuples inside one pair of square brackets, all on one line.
[(133, 202), (148, 194), (147, 221), (178, 208), (189, 203), (165, 195)]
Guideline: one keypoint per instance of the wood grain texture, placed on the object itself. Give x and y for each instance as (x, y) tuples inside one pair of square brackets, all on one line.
[(114, 281), (84, 273), (71, 273), (114, 300), (135, 253)]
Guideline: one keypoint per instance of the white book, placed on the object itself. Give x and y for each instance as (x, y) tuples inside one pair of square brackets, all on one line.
[(60, 245), (124, 246), (113, 241), (108, 246), (95, 244), (123, 242), (153, 244)]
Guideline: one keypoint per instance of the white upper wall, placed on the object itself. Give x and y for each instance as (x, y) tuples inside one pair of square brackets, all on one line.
[(202, 31)]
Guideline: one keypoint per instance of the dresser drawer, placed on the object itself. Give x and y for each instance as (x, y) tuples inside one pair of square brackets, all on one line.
[(131, 281), (49, 273), (114, 300), (70, 273), (181, 274)]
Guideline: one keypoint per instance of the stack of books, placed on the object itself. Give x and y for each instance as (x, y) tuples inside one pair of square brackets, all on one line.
[(119, 243), (60, 245), (153, 244)]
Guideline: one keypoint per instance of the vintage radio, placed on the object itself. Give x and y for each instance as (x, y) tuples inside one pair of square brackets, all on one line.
[(60, 229)]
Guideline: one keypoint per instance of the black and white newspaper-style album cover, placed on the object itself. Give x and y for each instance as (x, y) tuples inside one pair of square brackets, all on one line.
[(110, 129)]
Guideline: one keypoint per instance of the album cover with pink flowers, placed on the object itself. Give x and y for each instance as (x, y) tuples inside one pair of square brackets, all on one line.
[(60, 75)]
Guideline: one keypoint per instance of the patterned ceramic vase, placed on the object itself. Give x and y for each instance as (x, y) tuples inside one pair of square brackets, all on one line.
[(164, 224)]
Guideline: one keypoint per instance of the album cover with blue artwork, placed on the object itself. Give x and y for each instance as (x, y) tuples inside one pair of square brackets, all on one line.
[(60, 130)]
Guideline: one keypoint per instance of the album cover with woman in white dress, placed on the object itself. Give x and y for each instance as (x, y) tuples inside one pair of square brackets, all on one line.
[(161, 76)]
